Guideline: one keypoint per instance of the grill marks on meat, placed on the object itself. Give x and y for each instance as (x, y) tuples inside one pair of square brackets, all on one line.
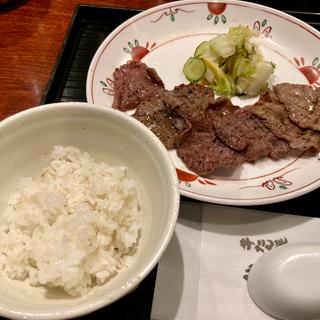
[(192, 101), (171, 114), (242, 131), (302, 103), (275, 117), (133, 83), (168, 125), (222, 106), (211, 133), (203, 153)]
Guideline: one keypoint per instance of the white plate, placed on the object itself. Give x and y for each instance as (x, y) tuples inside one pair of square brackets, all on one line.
[(165, 36)]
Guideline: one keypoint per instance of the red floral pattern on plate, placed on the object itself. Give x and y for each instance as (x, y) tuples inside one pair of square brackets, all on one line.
[(137, 51), (311, 72)]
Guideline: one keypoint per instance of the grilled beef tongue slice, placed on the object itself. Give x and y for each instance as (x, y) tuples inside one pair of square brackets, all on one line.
[(134, 82), (302, 103), (166, 123), (242, 131), (276, 119), (203, 153)]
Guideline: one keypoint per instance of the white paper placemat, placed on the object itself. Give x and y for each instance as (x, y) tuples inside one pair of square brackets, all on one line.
[(176, 291), (203, 273)]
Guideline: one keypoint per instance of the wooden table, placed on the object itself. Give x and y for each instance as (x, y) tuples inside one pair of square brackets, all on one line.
[(31, 34)]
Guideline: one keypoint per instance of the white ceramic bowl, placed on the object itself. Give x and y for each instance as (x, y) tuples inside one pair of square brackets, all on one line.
[(26, 140)]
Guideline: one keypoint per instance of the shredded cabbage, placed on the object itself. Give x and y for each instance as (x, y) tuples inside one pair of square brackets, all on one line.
[(235, 65)]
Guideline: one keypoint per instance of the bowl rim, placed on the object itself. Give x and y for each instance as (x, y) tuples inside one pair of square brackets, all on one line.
[(103, 300)]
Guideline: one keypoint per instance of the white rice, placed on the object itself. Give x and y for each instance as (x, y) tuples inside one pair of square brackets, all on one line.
[(76, 227)]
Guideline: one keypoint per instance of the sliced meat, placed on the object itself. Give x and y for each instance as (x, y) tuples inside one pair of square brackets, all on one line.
[(242, 131), (212, 133), (276, 119), (279, 149), (268, 96), (168, 125), (223, 106), (302, 103), (203, 153), (192, 101), (134, 82)]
